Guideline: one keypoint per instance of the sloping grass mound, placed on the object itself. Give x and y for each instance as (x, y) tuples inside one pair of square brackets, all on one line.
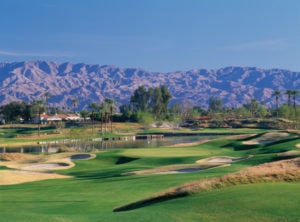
[(284, 170)]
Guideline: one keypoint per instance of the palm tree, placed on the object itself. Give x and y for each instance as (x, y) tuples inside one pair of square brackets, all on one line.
[(253, 106), (75, 103), (289, 93), (108, 107), (277, 94), (294, 93), (39, 105), (93, 107), (47, 95), (84, 114)]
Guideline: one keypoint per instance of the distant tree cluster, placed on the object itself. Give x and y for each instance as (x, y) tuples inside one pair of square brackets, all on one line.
[(20, 111), (147, 104)]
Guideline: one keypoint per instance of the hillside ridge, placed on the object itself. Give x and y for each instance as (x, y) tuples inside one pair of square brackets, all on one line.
[(30, 80)]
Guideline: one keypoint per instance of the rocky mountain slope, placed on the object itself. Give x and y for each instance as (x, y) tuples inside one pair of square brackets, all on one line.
[(92, 83)]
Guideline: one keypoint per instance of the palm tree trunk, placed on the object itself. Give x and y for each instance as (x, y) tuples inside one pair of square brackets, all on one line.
[(39, 124), (277, 106), (101, 123), (93, 121)]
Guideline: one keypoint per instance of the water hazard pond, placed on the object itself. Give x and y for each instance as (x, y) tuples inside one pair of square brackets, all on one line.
[(112, 144)]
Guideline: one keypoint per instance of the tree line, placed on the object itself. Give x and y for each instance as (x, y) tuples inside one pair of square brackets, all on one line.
[(148, 105)]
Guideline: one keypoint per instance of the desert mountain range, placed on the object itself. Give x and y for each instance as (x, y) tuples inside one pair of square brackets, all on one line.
[(93, 83)]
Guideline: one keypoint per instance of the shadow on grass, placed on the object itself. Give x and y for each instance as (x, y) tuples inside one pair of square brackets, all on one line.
[(252, 137), (150, 201), (93, 175), (239, 146), (125, 159), (278, 158), (104, 174), (282, 141)]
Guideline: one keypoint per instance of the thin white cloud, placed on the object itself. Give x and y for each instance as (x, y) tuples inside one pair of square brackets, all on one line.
[(9, 53), (34, 54), (271, 44)]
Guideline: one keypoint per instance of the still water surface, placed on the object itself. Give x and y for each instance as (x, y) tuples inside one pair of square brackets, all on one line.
[(110, 144)]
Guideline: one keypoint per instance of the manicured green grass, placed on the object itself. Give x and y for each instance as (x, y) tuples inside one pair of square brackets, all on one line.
[(16, 137), (98, 187), (255, 202), (72, 201)]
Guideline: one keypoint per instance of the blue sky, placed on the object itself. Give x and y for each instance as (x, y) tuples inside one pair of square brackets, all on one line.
[(156, 35)]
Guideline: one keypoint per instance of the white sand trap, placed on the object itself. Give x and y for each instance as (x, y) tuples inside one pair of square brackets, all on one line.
[(225, 159), (200, 165), (298, 145), (251, 142), (221, 159), (190, 170), (183, 168), (45, 166), (66, 163), (29, 167)]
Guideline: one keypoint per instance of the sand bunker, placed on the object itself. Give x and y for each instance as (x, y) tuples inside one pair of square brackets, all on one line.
[(189, 170), (46, 166), (188, 144), (226, 159), (222, 159), (200, 165), (267, 138), (30, 167)]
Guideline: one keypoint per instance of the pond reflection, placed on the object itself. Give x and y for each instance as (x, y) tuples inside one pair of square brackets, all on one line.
[(85, 146)]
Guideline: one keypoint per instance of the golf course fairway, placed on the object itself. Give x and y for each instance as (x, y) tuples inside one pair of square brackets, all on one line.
[(249, 182)]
